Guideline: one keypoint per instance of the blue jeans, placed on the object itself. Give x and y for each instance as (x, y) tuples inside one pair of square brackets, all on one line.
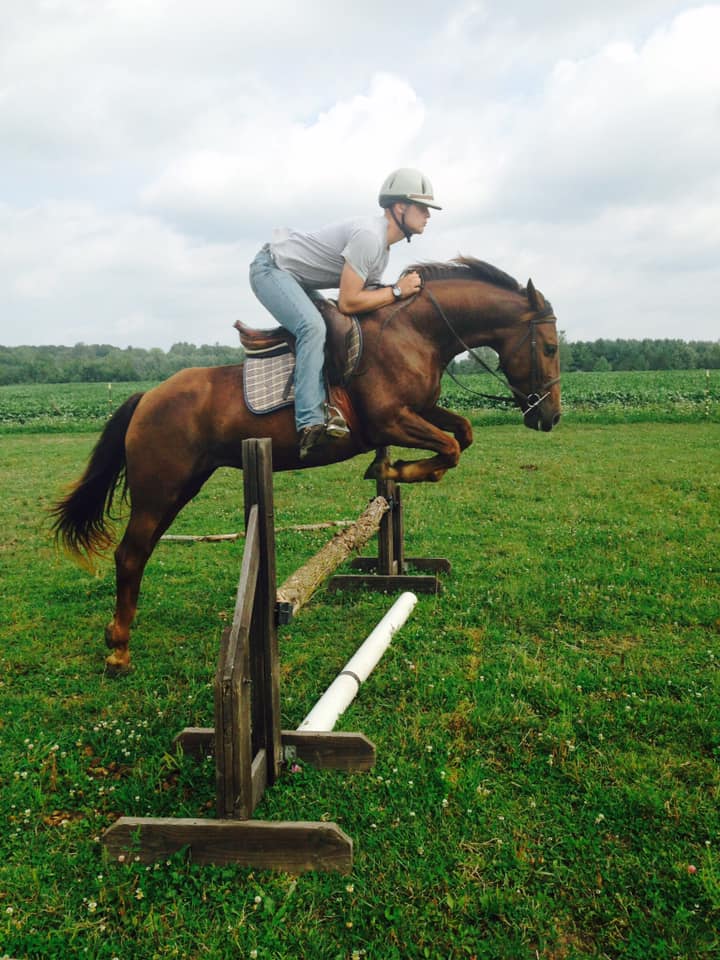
[(281, 294)]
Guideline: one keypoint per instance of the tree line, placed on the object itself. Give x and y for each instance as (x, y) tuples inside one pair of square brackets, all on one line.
[(600, 355), (98, 363), (604, 355), (103, 363)]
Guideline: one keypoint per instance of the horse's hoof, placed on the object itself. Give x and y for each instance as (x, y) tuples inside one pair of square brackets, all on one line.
[(117, 666)]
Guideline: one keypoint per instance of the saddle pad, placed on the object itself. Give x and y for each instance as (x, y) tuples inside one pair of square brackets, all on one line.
[(268, 379), (268, 375)]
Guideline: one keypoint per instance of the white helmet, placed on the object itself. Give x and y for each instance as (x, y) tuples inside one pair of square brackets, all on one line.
[(407, 185)]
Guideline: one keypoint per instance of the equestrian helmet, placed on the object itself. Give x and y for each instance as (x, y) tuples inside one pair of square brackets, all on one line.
[(407, 185)]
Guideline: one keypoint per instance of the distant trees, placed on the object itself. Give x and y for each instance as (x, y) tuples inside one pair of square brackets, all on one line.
[(643, 355), (104, 363), (601, 355)]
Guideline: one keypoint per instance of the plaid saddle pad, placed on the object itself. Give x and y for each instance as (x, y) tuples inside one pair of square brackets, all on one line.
[(268, 379), (268, 375)]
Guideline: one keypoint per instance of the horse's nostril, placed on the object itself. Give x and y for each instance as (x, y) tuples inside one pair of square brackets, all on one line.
[(556, 419)]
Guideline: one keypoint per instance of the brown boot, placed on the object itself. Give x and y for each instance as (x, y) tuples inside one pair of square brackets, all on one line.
[(311, 437)]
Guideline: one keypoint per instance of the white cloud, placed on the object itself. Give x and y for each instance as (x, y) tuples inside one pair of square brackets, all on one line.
[(264, 167), (623, 125), (69, 274), (149, 149)]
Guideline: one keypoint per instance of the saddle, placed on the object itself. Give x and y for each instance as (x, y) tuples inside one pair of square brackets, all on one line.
[(270, 360)]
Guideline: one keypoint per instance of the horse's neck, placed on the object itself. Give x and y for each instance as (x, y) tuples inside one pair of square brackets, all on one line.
[(466, 316)]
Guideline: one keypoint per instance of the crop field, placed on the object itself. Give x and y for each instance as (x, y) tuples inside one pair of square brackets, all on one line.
[(666, 395), (548, 776)]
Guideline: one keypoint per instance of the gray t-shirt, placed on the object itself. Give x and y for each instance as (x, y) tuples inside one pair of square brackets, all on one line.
[(316, 259)]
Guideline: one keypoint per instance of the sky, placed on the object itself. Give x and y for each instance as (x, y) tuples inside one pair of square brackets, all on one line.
[(149, 148)]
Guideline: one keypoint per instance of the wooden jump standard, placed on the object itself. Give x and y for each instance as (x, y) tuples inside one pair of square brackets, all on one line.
[(249, 746), (390, 570)]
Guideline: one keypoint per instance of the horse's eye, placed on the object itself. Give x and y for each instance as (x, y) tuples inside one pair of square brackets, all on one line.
[(550, 349)]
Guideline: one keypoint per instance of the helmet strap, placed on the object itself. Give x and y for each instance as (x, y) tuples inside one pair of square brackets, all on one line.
[(401, 224)]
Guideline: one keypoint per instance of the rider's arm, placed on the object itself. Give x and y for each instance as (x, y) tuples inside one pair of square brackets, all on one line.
[(354, 298)]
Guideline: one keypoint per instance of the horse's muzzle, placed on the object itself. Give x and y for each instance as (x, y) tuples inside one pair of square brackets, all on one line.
[(537, 419)]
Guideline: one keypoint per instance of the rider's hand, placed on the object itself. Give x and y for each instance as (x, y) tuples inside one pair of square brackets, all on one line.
[(410, 283)]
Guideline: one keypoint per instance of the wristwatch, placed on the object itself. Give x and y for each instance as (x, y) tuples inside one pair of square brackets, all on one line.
[(397, 292)]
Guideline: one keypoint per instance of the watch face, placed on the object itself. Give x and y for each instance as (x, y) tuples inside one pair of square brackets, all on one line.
[(397, 292)]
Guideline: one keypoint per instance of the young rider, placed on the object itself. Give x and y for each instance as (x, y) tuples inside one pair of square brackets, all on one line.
[(349, 256)]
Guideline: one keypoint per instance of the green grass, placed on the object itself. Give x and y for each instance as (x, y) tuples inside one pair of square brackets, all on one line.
[(59, 407), (547, 730)]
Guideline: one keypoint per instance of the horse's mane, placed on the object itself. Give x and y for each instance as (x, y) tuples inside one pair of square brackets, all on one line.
[(464, 268)]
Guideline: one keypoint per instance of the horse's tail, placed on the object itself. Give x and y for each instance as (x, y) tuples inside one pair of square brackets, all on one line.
[(82, 522)]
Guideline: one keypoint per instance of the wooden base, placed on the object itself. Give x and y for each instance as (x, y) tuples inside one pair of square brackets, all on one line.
[(294, 847), (382, 583), (389, 582), (324, 750)]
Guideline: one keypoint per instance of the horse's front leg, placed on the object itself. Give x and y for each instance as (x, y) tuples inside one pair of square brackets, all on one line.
[(409, 429), (458, 426)]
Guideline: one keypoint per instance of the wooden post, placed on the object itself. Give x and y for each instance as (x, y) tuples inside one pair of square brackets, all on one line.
[(235, 791), (389, 571), (264, 659), (387, 564)]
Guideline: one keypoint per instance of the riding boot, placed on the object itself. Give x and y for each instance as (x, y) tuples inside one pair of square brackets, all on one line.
[(334, 428), (311, 437)]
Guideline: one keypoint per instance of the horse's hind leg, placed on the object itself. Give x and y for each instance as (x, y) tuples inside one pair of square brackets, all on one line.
[(133, 552), (145, 527)]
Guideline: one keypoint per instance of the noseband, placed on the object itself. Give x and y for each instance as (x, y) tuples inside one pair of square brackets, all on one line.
[(538, 390)]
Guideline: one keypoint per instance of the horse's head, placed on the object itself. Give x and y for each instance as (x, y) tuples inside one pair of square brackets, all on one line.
[(531, 363), (484, 306)]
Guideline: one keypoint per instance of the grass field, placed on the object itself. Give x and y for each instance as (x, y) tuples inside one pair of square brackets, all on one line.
[(547, 728)]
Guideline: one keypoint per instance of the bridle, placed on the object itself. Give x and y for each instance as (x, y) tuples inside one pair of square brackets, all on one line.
[(539, 391)]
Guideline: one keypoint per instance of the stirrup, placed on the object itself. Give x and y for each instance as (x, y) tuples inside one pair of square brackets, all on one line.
[(335, 423)]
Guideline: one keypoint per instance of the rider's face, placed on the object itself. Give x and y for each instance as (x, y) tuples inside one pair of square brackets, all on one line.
[(416, 216)]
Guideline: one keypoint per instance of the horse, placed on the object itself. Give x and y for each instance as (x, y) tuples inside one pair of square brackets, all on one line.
[(161, 446)]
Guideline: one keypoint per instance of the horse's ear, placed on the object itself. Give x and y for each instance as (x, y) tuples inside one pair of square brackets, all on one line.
[(535, 298)]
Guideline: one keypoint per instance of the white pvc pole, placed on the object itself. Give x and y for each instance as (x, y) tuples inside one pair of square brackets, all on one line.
[(343, 690)]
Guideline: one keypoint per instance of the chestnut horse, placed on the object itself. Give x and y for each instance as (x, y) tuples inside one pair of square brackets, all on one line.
[(164, 444)]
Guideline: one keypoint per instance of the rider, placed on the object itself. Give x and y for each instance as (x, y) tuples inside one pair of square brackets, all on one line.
[(349, 256)]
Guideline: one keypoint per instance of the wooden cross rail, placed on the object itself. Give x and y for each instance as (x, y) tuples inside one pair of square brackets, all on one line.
[(391, 569)]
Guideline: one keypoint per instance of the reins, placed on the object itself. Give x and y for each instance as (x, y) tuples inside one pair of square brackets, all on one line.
[(534, 398)]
